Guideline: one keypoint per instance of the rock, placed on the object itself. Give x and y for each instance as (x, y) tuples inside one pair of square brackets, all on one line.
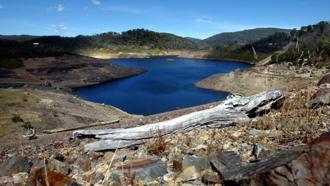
[(199, 147), (324, 80), (322, 97), (37, 163), (259, 170), (260, 152), (84, 164), (199, 162), (188, 174), (58, 156), (120, 155), (265, 133), (74, 184), (95, 156), (102, 168), (193, 183), (210, 178), (58, 166), (225, 161), (108, 155), (15, 165), (92, 177), (21, 178), (6, 180), (146, 170)]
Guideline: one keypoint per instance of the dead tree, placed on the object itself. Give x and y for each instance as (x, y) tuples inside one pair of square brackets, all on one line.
[(233, 110)]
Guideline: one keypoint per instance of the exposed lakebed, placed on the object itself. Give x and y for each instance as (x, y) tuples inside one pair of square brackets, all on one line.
[(168, 84)]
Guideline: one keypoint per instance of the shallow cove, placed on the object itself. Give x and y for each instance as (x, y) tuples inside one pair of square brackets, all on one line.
[(168, 84)]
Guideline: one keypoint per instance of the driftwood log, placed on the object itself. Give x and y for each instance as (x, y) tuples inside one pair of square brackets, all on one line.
[(58, 130), (233, 110)]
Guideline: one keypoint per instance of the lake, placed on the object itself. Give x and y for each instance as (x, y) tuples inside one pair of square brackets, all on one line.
[(168, 84)]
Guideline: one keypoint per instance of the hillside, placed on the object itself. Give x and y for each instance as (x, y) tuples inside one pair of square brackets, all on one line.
[(309, 45), (242, 37), (263, 48), (132, 40), (18, 37)]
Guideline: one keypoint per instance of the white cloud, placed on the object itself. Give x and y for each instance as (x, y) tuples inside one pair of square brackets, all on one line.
[(59, 8), (150, 26), (96, 2), (1, 6), (224, 26), (60, 29)]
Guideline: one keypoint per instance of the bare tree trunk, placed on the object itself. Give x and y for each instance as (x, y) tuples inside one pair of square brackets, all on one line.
[(229, 112)]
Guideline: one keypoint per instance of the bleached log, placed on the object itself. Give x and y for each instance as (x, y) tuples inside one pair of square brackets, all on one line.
[(231, 111), (58, 130), (111, 144)]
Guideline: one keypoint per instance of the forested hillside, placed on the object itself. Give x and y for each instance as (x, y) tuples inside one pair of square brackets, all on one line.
[(252, 51), (309, 45), (12, 46), (242, 37)]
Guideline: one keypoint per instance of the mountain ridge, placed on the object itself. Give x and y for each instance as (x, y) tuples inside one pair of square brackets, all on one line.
[(242, 37)]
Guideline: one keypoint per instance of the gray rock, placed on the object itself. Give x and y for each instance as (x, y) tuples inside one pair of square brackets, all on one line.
[(200, 162), (58, 166), (188, 174), (211, 178), (193, 183), (6, 180), (21, 178), (325, 80), (323, 98), (147, 171), (225, 161), (260, 152), (15, 165), (58, 156)]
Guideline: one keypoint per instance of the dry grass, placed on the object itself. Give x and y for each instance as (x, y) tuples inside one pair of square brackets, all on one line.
[(296, 118), (158, 145)]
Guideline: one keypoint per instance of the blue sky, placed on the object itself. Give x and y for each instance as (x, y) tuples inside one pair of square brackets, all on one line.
[(194, 18)]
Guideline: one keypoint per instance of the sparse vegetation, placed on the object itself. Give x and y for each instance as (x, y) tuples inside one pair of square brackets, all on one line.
[(27, 125), (10, 63), (310, 46), (158, 146), (296, 118), (17, 119)]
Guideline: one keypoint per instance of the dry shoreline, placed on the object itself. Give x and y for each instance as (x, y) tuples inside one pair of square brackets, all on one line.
[(261, 78), (183, 54)]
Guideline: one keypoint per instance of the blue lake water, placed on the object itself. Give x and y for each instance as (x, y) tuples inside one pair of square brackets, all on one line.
[(168, 84)]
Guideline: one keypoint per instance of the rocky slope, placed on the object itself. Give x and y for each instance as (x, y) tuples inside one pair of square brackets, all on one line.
[(26, 108), (67, 71), (283, 147), (261, 78)]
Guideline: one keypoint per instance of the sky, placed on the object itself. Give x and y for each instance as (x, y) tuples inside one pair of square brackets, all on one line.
[(188, 18)]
